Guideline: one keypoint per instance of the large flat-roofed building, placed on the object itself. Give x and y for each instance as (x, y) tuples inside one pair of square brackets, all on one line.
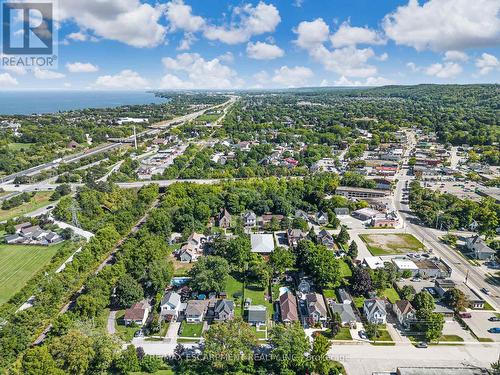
[(354, 192), (441, 371)]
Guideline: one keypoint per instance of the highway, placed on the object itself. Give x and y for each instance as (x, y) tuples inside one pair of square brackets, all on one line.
[(476, 279)]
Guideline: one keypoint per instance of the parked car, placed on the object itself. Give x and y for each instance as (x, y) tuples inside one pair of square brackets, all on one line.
[(422, 345), (465, 315), (485, 290), (494, 330), (494, 319), (139, 333), (363, 335)]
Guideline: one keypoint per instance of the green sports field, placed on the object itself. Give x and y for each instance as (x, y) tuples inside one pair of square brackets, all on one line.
[(19, 263)]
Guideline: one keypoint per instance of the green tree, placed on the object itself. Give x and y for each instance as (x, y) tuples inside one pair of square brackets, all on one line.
[(456, 299), (151, 363), (37, 360), (281, 259), (229, 346), (209, 274), (128, 361), (289, 345), (128, 291), (353, 250), (320, 363), (407, 292), (72, 352), (372, 330), (423, 301), (343, 236)]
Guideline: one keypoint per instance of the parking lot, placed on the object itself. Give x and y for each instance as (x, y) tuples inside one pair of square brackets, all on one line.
[(479, 324), (460, 189)]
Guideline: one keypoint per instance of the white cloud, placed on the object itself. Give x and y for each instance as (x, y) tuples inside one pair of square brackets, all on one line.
[(455, 56), (227, 57), (79, 67), (180, 17), (414, 68), (445, 70), (262, 78), (128, 21), (47, 74), (126, 79), (348, 35), (264, 51), (186, 42), (198, 72), (486, 63), (79, 36), (382, 57), (312, 34), (15, 69), (292, 77), (7, 80), (324, 83), (263, 18), (442, 25), (370, 81)]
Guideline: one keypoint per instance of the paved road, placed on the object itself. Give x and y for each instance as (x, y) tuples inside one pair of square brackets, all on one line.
[(81, 232), (430, 237), (365, 359), (111, 328)]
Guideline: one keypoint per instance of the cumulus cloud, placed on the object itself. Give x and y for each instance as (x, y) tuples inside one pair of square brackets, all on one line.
[(186, 42), (264, 51), (253, 20), (445, 70), (15, 69), (47, 74), (126, 79), (486, 63), (7, 80), (127, 21), (348, 35), (292, 77), (442, 25), (78, 36), (348, 61), (79, 67), (180, 16), (370, 81), (455, 56), (311, 34), (261, 78), (198, 73)]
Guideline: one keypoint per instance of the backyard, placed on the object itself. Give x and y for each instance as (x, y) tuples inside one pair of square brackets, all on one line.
[(191, 329), (19, 263), (391, 243)]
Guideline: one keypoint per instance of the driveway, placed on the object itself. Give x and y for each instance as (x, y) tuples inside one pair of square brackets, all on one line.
[(172, 331), (111, 322)]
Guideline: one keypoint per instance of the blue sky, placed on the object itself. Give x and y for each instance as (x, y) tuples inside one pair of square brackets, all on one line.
[(215, 44)]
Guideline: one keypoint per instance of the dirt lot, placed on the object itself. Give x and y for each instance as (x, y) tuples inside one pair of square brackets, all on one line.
[(388, 243)]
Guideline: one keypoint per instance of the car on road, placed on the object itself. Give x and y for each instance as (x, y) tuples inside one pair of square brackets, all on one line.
[(494, 319), (362, 334), (485, 290), (50, 207), (494, 330), (422, 345), (465, 315)]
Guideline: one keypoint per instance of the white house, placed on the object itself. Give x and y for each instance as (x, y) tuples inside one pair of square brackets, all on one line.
[(249, 219), (404, 312), (137, 314), (480, 249), (374, 310), (170, 306)]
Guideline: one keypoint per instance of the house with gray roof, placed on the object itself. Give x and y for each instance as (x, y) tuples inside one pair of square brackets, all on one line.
[(345, 311), (326, 239), (262, 243), (374, 310), (256, 315), (480, 249), (316, 309), (249, 219), (171, 306), (224, 310)]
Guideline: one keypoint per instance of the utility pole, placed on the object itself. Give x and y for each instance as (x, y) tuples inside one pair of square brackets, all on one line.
[(74, 216)]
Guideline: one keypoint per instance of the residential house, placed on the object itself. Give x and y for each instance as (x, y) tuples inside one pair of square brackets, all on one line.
[(267, 218), (137, 314), (262, 243), (294, 236), (288, 308), (321, 218), (404, 312), (171, 306), (480, 249), (13, 238), (196, 310), (224, 219), (344, 296), (341, 211), (345, 311), (374, 310), (299, 214), (326, 239), (224, 310), (316, 309), (305, 285), (373, 262), (249, 219), (256, 315)]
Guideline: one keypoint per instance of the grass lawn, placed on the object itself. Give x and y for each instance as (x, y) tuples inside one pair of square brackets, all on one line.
[(159, 372), (329, 293), (125, 332), (191, 329), (448, 338), (485, 339), (260, 334), (18, 264), (343, 334), (345, 271), (254, 292), (391, 294), (384, 336), (391, 243), (41, 199)]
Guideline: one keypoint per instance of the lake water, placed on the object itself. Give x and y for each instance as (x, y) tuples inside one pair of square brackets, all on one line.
[(29, 102)]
